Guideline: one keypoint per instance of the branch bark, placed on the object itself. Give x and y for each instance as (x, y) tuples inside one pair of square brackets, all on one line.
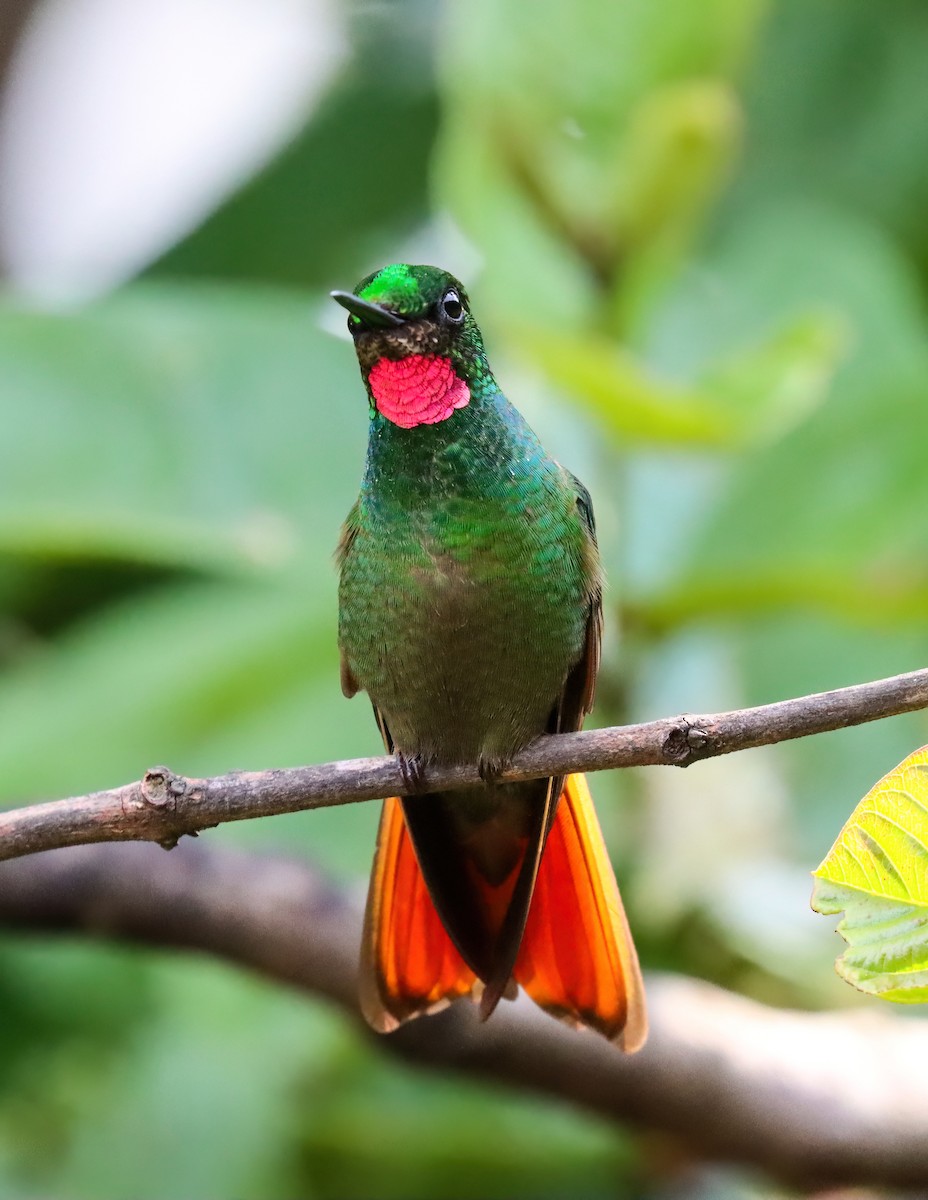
[(813, 1098), (162, 807)]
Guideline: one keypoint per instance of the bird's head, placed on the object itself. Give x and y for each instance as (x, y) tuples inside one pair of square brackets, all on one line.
[(420, 350)]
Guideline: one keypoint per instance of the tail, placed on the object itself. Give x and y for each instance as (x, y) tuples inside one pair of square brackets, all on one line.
[(409, 965), (577, 960)]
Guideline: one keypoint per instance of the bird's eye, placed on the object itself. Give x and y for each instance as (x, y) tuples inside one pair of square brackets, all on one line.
[(451, 307), (354, 323)]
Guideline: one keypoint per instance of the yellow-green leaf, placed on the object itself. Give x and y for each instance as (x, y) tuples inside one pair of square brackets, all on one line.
[(877, 874), (754, 396)]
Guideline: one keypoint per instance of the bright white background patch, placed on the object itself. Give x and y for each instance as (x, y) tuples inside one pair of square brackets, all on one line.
[(127, 121)]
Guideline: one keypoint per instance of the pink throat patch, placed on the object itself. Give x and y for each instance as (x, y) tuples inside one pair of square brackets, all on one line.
[(418, 390)]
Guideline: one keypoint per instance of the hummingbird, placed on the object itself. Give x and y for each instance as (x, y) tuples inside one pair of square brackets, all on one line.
[(470, 611)]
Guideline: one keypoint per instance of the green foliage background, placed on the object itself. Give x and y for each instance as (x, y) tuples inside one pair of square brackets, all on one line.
[(705, 265)]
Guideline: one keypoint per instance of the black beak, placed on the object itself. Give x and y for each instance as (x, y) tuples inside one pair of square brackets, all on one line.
[(371, 314)]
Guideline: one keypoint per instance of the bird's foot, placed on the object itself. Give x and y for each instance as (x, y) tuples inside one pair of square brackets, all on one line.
[(411, 769), (490, 769)]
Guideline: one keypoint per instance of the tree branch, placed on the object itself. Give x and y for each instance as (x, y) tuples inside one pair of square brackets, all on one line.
[(813, 1098), (162, 807)]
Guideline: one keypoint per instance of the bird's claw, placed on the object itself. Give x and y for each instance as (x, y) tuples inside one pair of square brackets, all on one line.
[(490, 769), (411, 770)]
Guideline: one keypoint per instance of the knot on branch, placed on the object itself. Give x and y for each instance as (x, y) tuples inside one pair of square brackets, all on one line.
[(161, 789), (687, 742)]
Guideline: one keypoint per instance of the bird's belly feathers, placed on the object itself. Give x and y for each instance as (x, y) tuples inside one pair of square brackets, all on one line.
[(465, 652)]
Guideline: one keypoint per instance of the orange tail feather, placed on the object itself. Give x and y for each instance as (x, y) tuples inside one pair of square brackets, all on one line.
[(577, 959), (409, 965)]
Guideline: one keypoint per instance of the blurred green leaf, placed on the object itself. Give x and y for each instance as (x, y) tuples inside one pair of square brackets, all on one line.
[(678, 142), (564, 176), (812, 134), (393, 1132), (169, 425), (877, 873), (680, 147), (58, 1054), (868, 600), (827, 516), (755, 396), (158, 675), (209, 677), (215, 1104)]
